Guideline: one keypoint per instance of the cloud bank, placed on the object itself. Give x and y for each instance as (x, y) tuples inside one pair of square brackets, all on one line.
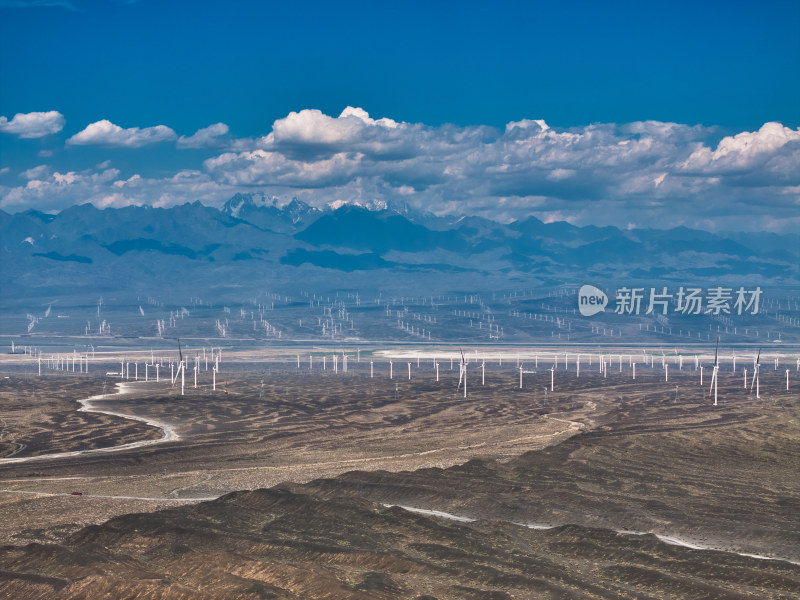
[(641, 174)]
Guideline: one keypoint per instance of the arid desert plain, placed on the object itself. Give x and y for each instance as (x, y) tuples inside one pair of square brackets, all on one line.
[(375, 480)]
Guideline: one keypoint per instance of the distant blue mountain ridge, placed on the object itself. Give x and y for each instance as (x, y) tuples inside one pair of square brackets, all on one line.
[(253, 241)]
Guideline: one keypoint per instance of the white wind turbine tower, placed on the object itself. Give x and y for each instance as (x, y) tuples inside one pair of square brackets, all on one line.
[(181, 368), (754, 380), (714, 374), (178, 373), (462, 374)]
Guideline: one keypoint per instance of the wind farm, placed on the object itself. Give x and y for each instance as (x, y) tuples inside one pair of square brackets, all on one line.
[(583, 438), (384, 425), (630, 451)]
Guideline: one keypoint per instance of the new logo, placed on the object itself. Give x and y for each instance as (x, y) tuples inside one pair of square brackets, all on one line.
[(591, 300)]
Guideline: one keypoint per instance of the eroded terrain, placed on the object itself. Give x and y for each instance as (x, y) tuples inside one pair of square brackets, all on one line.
[(599, 458)]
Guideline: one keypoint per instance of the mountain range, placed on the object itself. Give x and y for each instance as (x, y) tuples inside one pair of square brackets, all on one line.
[(254, 242)]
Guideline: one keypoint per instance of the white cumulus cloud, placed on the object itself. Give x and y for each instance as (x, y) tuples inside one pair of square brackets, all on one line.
[(36, 172), (33, 124), (261, 167), (309, 133), (311, 126), (106, 133), (212, 136), (746, 149)]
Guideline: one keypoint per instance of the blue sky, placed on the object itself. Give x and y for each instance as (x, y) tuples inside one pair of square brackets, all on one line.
[(647, 108)]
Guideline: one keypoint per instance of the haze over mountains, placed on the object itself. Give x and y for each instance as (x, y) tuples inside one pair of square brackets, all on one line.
[(253, 241)]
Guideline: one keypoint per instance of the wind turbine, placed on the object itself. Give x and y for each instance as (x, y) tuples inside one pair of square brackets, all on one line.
[(462, 374), (754, 380), (181, 368), (714, 375)]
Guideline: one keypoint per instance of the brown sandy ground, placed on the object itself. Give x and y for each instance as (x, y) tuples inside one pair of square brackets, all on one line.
[(723, 477), (279, 544), (300, 428), (40, 415)]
